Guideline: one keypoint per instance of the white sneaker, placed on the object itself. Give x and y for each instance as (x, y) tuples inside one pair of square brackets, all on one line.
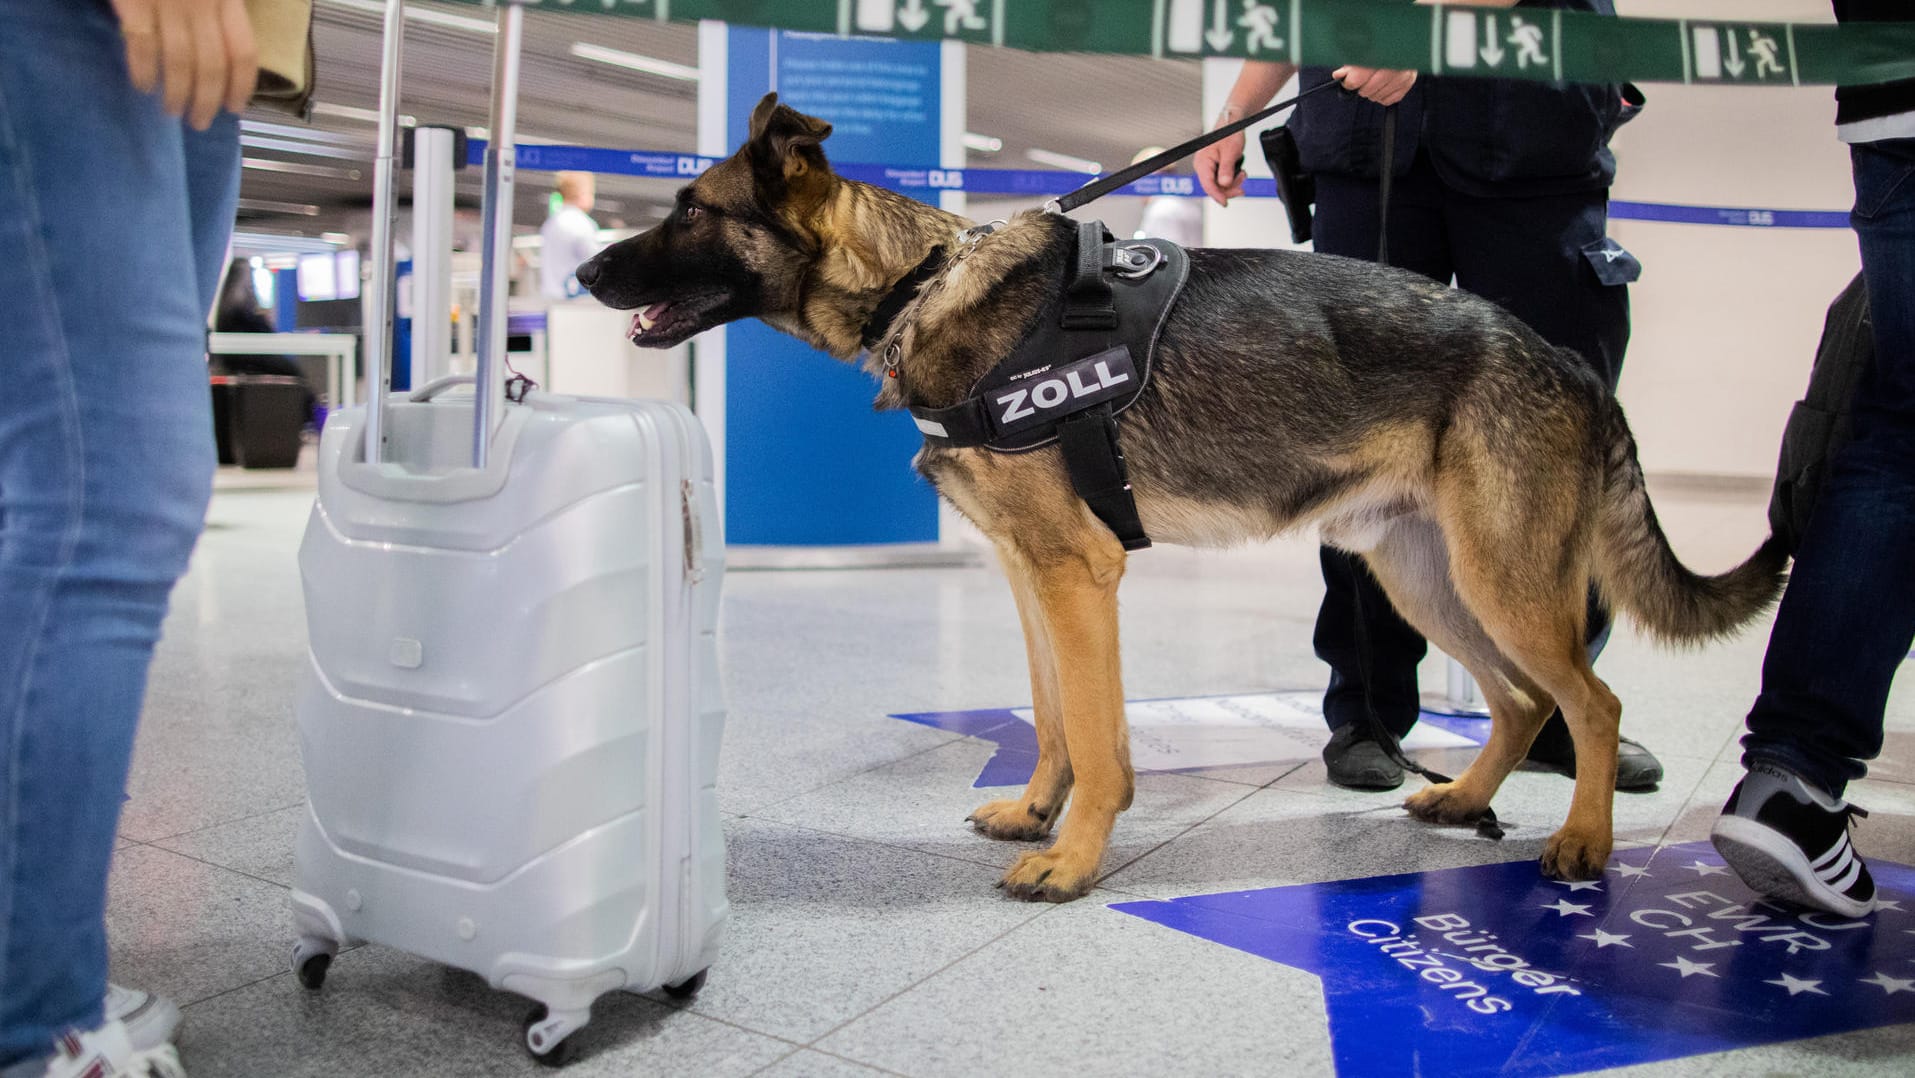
[(150, 1020), (1790, 840), (107, 1052)]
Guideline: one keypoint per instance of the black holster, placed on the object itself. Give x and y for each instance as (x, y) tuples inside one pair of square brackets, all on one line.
[(1297, 188)]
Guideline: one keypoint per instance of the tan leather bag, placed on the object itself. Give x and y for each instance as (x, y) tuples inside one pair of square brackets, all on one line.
[(283, 34)]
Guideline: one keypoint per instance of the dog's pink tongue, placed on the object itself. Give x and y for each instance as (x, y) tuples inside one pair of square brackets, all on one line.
[(648, 315)]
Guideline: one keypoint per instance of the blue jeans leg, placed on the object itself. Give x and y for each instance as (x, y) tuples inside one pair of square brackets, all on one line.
[(113, 222), (1848, 616)]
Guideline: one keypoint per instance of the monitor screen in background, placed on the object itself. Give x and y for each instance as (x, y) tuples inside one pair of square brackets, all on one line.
[(341, 314), (318, 278), (346, 274)]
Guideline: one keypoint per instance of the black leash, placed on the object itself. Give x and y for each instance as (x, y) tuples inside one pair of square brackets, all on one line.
[(1384, 176), (1099, 188)]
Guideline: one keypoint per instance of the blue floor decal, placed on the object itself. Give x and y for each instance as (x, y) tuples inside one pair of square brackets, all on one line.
[(1193, 733), (1497, 970)]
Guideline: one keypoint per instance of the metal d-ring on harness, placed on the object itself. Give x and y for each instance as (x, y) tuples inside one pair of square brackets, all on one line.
[(1136, 260)]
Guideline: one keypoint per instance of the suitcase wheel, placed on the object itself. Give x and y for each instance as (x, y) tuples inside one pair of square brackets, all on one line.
[(311, 959), (549, 1039), (688, 987), (312, 972)]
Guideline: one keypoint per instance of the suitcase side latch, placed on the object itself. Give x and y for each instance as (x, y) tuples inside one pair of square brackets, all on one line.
[(694, 532)]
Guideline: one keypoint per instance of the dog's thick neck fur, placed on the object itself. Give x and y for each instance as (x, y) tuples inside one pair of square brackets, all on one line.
[(869, 240)]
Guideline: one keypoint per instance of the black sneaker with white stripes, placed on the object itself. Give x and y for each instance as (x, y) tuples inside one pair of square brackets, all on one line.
[(1790, 841)]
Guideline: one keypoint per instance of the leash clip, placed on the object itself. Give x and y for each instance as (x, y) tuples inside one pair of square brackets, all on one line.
[(974, 235)]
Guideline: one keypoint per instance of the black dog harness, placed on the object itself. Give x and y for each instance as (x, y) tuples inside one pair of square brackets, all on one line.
[(1069, 380)]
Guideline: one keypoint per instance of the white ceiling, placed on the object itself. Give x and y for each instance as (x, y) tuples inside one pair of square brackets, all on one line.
[(1097, 107)]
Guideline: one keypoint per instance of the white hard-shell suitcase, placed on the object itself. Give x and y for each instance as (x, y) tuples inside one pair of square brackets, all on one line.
[(511, 723)]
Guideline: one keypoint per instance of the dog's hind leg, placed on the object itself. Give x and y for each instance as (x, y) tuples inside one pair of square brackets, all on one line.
[(1030, 816), (1531, 601), (1412, 564), (1073, 568)]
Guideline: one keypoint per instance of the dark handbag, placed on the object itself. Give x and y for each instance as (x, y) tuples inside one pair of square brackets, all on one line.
[(1819, 424), (1297, 188)]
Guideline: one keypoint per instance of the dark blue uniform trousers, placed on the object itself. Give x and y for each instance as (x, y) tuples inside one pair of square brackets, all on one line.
[(1541, 258)]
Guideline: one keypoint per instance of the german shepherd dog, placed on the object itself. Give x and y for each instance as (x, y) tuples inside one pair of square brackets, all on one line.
[(1486, 477)]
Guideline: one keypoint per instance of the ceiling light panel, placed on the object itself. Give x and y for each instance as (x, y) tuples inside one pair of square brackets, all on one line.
[(632, 61), (1063, 161), (421, 15), (298, 168)]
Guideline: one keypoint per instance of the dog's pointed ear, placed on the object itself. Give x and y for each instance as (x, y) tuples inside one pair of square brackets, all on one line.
[(784, 144)]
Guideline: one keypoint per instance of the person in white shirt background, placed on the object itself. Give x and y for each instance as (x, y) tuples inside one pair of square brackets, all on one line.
[(569, 237), (1169, 217)]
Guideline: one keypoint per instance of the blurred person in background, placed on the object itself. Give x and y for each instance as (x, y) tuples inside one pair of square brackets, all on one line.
[(1170, 217), (568, 237)]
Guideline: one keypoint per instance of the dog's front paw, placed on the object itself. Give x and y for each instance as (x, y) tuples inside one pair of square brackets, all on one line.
[(1012, 819), (1572, 855), (1444, 803), (1050, 876)]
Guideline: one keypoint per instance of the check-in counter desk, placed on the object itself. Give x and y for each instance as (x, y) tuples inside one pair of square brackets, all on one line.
[(586, 352)]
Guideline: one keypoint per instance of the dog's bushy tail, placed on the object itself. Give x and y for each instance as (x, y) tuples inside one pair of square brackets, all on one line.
[(1639, 573)]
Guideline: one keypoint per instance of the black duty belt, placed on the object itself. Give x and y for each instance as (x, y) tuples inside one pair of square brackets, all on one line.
[(1070, 379)]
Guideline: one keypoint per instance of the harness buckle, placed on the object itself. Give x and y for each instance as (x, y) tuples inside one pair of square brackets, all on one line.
[(1135, 260)]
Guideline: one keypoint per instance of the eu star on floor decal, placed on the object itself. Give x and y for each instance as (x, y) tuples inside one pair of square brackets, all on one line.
[(1193, 733), (1497, 970)]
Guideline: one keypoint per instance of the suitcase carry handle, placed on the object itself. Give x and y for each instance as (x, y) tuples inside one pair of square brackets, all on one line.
[(437, 385), (501, 159)]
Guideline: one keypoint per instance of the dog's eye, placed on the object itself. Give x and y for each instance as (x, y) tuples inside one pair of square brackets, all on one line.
[(693, 213)]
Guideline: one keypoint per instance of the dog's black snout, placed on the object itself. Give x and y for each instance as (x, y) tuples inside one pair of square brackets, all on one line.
[(587, 272)]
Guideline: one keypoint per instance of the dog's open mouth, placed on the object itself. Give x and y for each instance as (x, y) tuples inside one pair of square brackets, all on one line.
[(667, 322)]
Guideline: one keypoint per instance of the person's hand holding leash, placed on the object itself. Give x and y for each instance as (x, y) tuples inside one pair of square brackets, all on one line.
[(1220, 164), (198, 54), (1381, 85)]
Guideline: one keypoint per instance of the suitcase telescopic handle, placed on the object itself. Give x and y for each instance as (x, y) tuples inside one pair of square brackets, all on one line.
[(380, 299), (500, 162)]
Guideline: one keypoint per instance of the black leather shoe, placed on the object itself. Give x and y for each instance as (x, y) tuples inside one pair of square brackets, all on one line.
[(1636, 767), (1357, 762)]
